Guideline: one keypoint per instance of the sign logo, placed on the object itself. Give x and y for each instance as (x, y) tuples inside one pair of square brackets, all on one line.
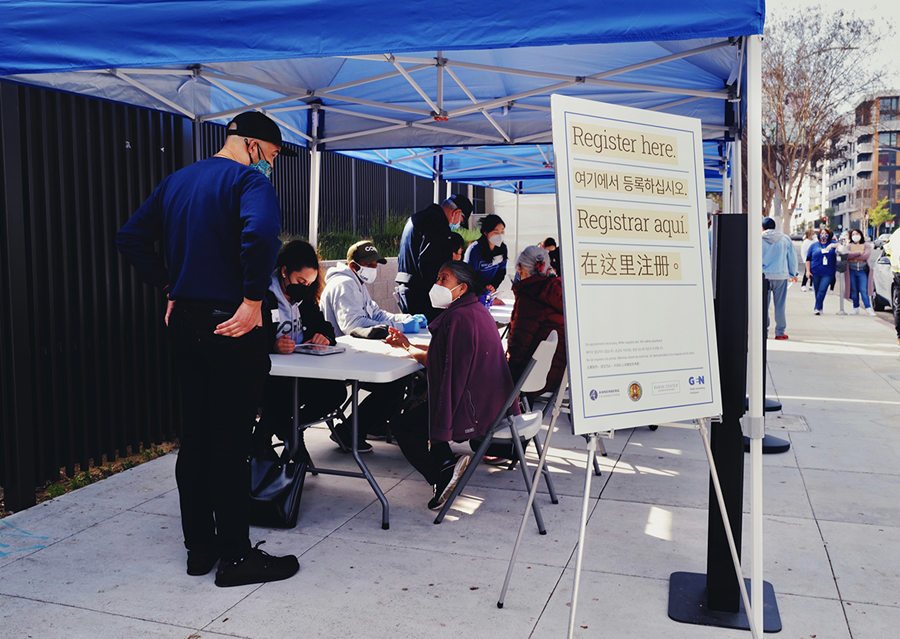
[(593, 395), (635, 392), (700, 380)]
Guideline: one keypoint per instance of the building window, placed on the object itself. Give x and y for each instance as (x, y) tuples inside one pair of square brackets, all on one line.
[(863, 112), (888, 109), (887, 138)]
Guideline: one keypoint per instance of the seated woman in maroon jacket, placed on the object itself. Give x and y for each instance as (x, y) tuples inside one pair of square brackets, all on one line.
[(538, 311), (468, 380)]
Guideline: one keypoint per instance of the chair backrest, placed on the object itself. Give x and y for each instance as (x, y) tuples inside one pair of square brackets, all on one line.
[(543, 358)]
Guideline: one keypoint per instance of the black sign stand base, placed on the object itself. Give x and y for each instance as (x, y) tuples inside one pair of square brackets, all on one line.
[(687, 604), (771, 445)]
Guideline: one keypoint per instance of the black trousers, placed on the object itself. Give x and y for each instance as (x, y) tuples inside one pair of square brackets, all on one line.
[(221, 380), (380, 405), (895, 302), (411, 433), (318, 397)]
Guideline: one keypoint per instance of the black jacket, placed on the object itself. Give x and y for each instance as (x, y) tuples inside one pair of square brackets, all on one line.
[(424, 247)]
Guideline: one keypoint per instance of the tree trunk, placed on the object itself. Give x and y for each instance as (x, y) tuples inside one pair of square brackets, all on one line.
[(787, 214)]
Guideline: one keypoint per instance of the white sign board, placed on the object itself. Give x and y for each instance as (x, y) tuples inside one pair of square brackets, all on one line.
[(635, 265)]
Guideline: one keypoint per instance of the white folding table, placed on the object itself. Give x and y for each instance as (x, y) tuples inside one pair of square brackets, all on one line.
[(364, 361)]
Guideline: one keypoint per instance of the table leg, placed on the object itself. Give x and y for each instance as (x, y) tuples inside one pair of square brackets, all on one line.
[(354, 448)]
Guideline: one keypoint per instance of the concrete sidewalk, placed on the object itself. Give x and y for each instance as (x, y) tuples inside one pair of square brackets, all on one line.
[(107, 560)]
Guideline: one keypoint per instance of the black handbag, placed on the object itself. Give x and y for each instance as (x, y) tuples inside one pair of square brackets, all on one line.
[(275, 491)]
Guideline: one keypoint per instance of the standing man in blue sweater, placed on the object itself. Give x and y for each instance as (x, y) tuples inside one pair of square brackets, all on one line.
[(217, 222), (779, 266)]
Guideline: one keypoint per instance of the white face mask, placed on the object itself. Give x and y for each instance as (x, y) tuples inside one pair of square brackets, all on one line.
[(856, 238), (441, 296), (367, 274), (496, 240)]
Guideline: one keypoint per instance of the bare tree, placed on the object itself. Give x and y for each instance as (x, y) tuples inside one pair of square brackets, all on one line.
[(813, 66)]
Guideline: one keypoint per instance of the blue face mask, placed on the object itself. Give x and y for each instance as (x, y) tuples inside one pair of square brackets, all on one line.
[(454, 227), (262, 165)]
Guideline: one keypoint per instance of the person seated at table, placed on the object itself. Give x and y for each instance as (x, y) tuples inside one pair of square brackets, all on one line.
[(537, 312), (459, 246), (292, 316), (468, 380), (488, 254), (347, 305)]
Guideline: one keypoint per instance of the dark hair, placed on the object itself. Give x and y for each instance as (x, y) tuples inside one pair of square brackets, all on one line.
[(457, 241), (296, 256), (549, 240), (465, 274), (768, 223), (490, 222)]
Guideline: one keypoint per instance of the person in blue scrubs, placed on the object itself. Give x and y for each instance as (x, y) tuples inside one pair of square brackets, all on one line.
[(821, 266)]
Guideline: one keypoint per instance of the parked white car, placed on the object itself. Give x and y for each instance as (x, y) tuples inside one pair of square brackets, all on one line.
[(883, 280)]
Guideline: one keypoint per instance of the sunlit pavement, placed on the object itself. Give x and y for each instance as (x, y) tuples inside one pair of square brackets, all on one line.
[(107, 560)]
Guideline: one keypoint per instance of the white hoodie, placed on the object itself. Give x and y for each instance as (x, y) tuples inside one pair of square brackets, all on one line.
[(346, 303)]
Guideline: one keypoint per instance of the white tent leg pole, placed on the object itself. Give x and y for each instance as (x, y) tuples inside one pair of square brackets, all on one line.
[(315, 174), (437, 188), (755, 424), (737, 180), (449, 191), (726, 195), (517, 251)]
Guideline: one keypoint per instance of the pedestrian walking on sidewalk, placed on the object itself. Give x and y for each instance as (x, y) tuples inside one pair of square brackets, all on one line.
[(779, 266), (809, 238), (821, 266)]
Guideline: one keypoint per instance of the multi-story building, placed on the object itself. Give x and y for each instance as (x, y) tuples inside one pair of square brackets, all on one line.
[(808, 207), (869, 170)]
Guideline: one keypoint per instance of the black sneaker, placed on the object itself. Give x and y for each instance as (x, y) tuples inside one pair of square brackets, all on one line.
[(200, 562), (447, 481), (362, 445), (378, 433), (256, 567)]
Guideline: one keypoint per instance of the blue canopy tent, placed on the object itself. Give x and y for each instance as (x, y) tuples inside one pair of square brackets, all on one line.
[(525, 170), (351, 75), (522, 169), (346, 75)]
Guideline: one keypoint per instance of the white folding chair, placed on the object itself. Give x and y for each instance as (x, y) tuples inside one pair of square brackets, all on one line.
[(547, 399), (533, 379)]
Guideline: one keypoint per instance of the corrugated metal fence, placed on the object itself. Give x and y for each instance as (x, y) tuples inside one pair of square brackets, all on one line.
[(85, 370)]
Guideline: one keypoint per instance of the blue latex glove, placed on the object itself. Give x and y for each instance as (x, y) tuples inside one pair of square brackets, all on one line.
[(411, 325), (423, 321)]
